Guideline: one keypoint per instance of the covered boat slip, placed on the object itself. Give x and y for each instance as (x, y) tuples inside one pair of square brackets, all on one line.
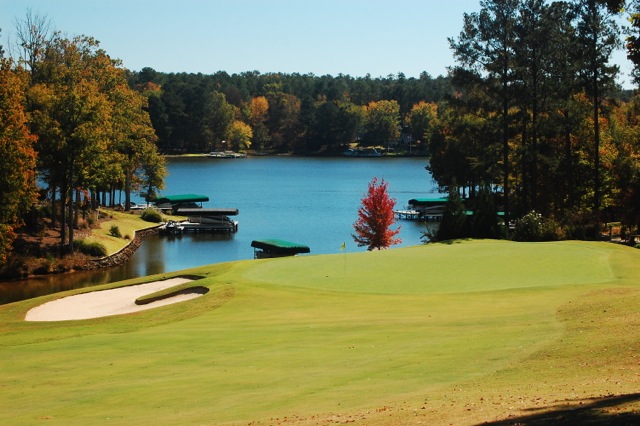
[(421, 203), (182, 199), (199, 219), (423, 209), (428, 209), (174, 202), (186, 211), (208, 220), (277, 248)]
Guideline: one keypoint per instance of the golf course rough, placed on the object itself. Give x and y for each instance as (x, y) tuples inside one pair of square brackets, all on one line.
[(371, 336)]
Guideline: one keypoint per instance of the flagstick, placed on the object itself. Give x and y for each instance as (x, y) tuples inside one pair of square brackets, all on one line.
[(345, 260), (343, 248)]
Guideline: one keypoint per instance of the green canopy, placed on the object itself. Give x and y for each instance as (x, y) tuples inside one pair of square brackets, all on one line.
[(428, 201), (206, 212), (182, 198), (280, 246)]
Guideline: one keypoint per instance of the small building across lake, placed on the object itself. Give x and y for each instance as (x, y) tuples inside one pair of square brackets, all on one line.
[(277, 248)]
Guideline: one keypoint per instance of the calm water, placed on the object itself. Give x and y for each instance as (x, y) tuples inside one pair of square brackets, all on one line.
[(312, 201)]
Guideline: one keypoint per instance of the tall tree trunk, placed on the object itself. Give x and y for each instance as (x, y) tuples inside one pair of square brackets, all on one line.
[(596, 153), (505, 155), (569, 168), (534, 152), (127, 189), (71, 191), (54, 191), (63, 214)]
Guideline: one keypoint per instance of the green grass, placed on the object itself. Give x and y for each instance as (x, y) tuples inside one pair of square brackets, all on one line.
[(188, 287), (460, 333), (127, 222)]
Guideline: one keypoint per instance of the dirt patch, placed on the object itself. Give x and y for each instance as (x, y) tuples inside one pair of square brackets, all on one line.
[(37, 252)]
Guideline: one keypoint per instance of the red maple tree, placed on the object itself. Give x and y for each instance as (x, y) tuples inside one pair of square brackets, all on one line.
[(375, 217)]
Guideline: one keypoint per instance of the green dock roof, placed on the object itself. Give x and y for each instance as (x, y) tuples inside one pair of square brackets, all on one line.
[(182, 198), (280, 246), (428, 201)]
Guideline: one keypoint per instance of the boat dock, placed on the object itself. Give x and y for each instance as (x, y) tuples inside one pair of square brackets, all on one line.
[(171, 203), (427, 209), (407, 214), (277, 248), (202, 220)]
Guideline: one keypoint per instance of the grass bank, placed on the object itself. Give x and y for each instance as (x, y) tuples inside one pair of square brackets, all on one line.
[(128, 223), (463, 333)]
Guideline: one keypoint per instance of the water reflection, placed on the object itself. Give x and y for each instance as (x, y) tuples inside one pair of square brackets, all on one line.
[(25, 289)]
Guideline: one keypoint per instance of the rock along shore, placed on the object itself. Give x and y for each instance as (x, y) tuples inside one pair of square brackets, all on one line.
[(122, 255)]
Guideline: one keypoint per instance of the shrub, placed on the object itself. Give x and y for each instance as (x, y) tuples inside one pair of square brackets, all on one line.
[(91, 248), (114, 231), (151, 215), (534, 227)]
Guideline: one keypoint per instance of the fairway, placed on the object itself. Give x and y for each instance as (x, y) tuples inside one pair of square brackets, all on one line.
[(461, 333)]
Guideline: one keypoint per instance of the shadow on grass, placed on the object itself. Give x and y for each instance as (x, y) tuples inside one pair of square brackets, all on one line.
[(609, 410), (455, 241)]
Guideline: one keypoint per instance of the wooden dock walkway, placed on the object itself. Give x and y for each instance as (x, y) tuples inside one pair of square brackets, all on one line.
[(408, 214), (433, 215)]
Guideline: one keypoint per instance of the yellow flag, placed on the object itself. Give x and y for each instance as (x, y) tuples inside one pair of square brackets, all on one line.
[(343, 246)]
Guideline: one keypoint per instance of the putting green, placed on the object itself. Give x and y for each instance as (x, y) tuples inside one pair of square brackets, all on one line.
[(441, 268), (311, 335)]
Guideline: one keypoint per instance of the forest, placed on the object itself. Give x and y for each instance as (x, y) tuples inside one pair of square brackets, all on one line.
[(285, 113), (531, 114)]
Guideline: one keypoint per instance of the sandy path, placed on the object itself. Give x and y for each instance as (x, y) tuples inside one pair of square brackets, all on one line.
[(103, 303)]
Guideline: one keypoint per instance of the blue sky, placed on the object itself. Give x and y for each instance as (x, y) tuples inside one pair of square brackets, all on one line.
[(355, 37)]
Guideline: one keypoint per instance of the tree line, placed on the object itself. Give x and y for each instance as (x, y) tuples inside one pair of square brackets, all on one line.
[(72, 131), (537, 116), (275, 113)]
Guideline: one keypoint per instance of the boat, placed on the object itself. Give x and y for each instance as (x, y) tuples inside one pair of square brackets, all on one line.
[(210, 224), (428, 209), (226, 154), (171, 228), (208, 219), (363, 152)]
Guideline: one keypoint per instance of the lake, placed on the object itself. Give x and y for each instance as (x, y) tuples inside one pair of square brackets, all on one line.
[(311, 201)]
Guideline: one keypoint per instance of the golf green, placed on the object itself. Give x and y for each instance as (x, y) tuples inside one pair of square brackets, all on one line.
[(362, 336)]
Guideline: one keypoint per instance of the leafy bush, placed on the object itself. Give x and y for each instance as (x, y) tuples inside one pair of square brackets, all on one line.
[(114, 231), (534, 227), (91, 248), (151, 215)]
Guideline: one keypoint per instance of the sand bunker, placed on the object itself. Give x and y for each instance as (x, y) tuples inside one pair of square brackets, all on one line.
[(104, 303)]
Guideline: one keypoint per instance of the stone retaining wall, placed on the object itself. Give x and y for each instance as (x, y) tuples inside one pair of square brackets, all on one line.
[(121, 256)]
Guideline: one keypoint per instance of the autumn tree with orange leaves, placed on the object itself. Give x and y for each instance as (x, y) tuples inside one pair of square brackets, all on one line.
[(17, 156), (375, 218)]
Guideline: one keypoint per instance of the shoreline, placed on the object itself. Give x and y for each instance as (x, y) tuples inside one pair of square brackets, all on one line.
[(122, 255), (80, 262)]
